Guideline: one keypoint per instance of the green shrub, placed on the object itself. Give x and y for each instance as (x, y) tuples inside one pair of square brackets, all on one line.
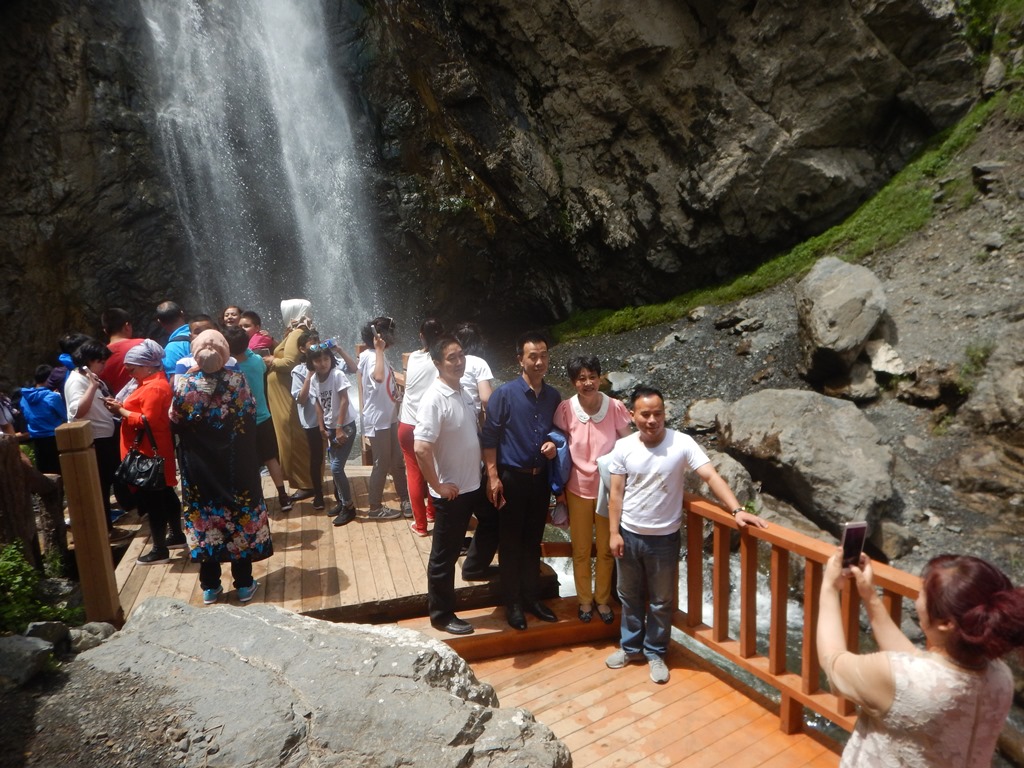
[(19, 602), (900, 208)]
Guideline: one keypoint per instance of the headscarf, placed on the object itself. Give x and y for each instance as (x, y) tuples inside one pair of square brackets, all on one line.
[(293, 309), (148, 353), (210, 350)]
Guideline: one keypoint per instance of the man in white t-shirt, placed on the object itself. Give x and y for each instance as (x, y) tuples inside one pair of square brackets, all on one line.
[(448, 453), (645, 513)]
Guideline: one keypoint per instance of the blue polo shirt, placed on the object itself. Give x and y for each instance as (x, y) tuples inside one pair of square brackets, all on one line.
[(518, 422)]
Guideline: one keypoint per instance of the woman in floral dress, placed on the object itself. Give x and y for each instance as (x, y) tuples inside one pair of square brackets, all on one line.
[(225, 515)]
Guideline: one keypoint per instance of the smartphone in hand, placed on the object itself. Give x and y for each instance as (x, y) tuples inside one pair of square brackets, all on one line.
[(852, 542)]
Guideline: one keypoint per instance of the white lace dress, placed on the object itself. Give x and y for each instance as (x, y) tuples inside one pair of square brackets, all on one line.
[(941, 717)]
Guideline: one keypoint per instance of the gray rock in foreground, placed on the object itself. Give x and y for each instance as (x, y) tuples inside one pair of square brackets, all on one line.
[(260, 686)]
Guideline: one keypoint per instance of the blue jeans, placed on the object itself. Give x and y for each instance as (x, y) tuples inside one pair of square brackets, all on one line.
[(648, 568), (337, 456)]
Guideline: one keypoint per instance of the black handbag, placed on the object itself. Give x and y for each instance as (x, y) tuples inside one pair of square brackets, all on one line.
[(141, 471)]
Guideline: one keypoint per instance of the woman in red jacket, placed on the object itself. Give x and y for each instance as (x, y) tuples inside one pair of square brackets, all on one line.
[(149, 403)]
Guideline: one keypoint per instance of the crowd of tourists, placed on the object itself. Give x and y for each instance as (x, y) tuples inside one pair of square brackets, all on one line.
[(220, 399)]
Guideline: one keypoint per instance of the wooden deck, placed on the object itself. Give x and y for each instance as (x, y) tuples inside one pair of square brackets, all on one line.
[(611, 718), (315, 567), (370, 571)]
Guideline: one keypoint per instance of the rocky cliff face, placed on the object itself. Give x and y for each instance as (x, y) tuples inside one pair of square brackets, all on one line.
[(87, 221), (540, 157), (552, 156)]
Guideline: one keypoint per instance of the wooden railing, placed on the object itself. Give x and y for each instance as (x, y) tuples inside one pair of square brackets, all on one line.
[(797, 689)]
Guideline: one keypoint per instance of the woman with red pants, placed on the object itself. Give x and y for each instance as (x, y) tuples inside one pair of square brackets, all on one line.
[(420, 373)]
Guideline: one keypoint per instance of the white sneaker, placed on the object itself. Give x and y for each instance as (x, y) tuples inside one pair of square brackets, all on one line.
[(659, 671)]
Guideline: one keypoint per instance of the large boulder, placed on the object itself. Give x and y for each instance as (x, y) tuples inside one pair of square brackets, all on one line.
[(820, 454), (261, 686), (733, 472), (840, 307), (997, 402)]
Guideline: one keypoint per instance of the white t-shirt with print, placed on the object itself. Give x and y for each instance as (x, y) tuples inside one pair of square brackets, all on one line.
[(653, 501), (380, 399), (328, 394)]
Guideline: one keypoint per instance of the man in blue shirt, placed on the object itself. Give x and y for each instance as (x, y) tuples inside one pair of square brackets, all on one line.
[(516, 450)]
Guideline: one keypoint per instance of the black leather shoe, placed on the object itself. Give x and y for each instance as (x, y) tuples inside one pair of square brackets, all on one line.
[(516, 620), (541, 611), (454, 626)]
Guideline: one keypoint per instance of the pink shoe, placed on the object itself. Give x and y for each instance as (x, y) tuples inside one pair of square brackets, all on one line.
[(418, 531)]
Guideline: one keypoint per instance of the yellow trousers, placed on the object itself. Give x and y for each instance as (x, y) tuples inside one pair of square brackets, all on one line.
[(583, 521)]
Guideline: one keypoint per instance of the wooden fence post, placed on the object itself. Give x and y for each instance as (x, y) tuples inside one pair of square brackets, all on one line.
[(17, 521), (88, 523)]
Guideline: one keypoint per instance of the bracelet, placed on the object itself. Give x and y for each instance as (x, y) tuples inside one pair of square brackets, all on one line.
[(737, 511)]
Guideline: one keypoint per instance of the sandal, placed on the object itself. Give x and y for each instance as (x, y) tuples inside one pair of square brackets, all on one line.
[(607, 618), (584, 616)]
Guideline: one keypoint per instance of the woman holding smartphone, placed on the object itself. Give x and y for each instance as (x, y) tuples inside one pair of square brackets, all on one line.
[(85, 393), (944, 705)]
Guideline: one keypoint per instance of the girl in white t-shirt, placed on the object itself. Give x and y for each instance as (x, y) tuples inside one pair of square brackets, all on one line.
[(329, 388)]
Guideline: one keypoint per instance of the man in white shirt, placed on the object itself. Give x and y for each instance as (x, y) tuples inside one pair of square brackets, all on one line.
[(448, 453), (645, 513)]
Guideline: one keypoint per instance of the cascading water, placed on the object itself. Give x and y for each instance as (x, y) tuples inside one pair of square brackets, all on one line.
[(258, 147)]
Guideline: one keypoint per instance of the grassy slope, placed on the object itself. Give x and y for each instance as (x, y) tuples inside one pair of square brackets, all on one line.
[(899, 209)]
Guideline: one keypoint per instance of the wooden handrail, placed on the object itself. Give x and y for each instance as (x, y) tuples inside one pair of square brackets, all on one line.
[(797, 690)]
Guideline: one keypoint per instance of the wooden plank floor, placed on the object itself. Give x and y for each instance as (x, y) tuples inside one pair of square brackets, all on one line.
[(605, 717), (315, 566), (620, 718)]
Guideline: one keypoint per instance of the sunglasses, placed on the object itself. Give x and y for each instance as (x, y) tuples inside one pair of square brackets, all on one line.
[(323, 345)]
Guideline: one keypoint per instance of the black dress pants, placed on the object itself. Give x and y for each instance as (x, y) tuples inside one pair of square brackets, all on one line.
[(450, 523), (520, 530)]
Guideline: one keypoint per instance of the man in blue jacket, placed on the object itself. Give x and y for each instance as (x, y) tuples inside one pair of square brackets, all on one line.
[(172, 319), (44, 411)]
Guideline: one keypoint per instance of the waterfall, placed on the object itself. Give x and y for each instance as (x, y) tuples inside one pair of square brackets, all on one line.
[(260, 153)]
